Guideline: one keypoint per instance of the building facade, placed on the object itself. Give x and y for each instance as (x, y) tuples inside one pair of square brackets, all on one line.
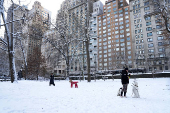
[(76, 12), (148, 40), (93, 46), (114, 36)]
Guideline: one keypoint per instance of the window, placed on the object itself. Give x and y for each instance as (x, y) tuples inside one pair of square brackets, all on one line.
[(128, 38), (120, 19), (114, 9), (150, 39), (166, 67), (117, 36), (121, 40), (104, 31), (127, 21), (109, 7), (121, 23), (128, 34), (158, 21), (121, 27), (148, 23), (117, 40), (126, 17), (160, 44), (159, 32), (126, 9), (148, 28), (122, 31), (161, 49), (150, 45), (109, 11), (127, 30), (127, 25), (158, 26), (114, 5), (120, 11), (115, 16), (116, 32), (147, 8), (139, 30), (151, 51), (149, 34), (146, 3), (160, 38), (115, 12), (134, 21), (161, 55), (129, 47)]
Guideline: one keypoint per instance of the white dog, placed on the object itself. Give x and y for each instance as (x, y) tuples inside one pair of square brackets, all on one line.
[(135, 89), (119, 92)]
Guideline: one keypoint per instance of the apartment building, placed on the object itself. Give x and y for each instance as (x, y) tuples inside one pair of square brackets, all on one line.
[(148, 40), (93, 46), (41, 16), (75, 11), (114, 36), (25, 37)]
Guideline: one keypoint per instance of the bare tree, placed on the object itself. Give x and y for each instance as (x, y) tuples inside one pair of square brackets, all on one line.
[(9, 27), (162, 12)]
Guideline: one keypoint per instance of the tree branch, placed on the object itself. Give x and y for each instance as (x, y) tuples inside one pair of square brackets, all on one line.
[(3, 41)]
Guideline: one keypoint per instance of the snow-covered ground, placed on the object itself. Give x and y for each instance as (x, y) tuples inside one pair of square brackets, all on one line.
[(94, 97)]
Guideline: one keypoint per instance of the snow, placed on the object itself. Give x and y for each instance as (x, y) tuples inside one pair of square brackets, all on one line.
[(94, 97)]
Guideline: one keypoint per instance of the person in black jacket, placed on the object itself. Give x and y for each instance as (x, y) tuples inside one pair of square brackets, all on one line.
[(125, 81), (52, 79)]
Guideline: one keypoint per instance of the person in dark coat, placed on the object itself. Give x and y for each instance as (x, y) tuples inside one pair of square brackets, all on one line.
[(52, 79), (125, 81)]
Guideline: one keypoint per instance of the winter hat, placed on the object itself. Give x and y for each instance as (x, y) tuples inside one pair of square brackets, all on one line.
[(126, 68)]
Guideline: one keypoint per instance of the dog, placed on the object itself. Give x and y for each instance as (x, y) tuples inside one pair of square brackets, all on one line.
[(135, 89), (75, 82), (119, 91)]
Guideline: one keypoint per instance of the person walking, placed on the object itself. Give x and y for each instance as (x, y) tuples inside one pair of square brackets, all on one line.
[(124, 81), (52, 79)]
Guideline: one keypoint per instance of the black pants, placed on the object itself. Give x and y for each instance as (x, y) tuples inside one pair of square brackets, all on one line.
[(124, 89)]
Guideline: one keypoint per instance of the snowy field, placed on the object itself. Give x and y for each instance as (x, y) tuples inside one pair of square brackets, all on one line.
[(94, 97)]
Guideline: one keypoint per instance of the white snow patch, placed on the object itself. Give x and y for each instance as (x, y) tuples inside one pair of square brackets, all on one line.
[(94, 97)]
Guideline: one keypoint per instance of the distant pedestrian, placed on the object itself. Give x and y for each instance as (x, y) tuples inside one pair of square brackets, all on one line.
[(19, 75), (125, 81), (51, 79)]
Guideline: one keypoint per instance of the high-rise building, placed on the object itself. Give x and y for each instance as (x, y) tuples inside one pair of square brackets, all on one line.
[(24, 35), (93, 46), (148, 41), (41, 16), (77, 13), (114, 36)]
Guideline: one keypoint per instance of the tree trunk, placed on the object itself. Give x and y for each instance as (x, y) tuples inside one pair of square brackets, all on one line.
[(88, 61)]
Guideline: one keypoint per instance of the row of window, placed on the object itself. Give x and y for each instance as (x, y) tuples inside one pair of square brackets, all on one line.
[(110, 64)]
